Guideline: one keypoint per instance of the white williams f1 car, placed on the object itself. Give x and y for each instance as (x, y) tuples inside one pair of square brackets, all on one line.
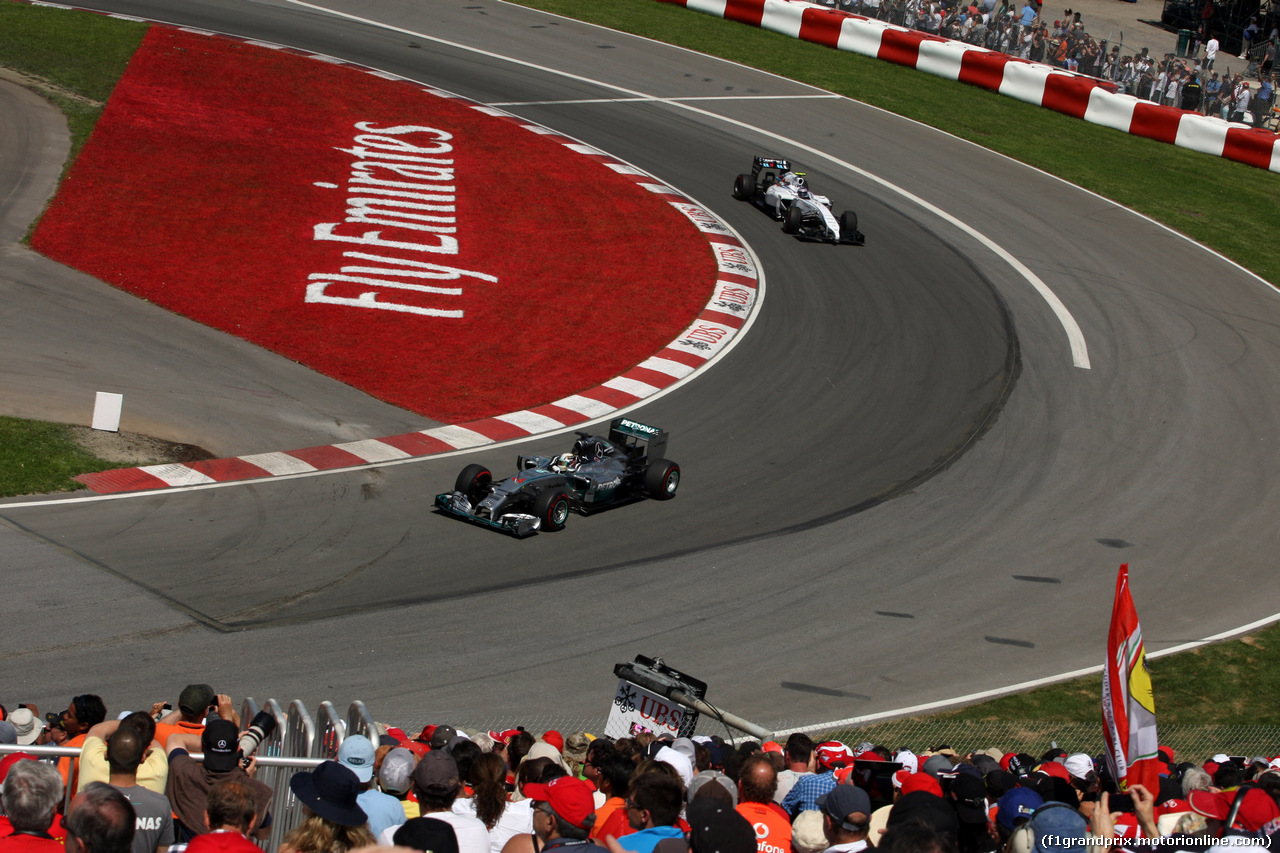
[(784, 194)]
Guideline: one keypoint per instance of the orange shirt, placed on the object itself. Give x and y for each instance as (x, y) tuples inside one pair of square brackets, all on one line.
[(610, 806), (773, 830), (163, 730), (70, 767)]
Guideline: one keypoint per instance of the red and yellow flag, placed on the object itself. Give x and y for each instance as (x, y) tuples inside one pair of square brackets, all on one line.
[(1128, 705)]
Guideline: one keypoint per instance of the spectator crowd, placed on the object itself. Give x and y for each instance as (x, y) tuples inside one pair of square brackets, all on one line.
[(1025, 31), (137, 789)]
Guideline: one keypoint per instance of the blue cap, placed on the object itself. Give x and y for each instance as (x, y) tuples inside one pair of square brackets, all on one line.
[(357, 753), (1058, 828), (1017, 804)]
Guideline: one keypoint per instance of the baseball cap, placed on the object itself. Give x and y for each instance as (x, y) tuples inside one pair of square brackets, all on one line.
[(1256, 809), (396, 773), (357, 754), (436, 773), (569, 797), (554, 738), (717, 828), (1057, 828), (441, 736), (196, 698), (220, 742), (1079, 765), (1017, 804), (937, 763), (832, 752), (842, 801), (8, 734), (969, 796)]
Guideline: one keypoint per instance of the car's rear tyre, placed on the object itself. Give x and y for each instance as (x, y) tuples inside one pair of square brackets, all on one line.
[(744, 188), (474, 481), (848, 225), (552, 508), (793, 219), (661, 479)]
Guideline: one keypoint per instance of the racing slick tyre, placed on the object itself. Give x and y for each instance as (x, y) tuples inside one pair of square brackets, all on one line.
[(473, 482), (552, 508), (744, 188), (793, 220), (848, 225), (661, 479)]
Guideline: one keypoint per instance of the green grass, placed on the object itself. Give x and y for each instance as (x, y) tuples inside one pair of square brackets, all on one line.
[(80, 53), (1225, 205), (1219, 682), (38, 457)]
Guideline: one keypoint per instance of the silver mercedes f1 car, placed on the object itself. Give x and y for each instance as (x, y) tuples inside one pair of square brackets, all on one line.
[(783, 193), (599, 472)]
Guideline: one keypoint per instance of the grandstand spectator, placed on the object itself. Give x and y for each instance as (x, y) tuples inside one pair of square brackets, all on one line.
[(846, 816), (1247, 37), (804, 794), (428, 835), (488, 802), (26, 723), (1210, 52), (1261, 102), (563, 813), (714, 827), (195, 703), (575, 751), (333, 821), (31, 795), (71, 729), (395, 776), (654, 800), (613, 774), (190, 781), (153, 829), (757, 784), (100, 820), (358, 755), (152, 773), (437, 785), (799, 755), (230, 818)]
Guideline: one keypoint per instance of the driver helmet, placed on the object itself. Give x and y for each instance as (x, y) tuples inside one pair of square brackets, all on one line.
[(563, 462), (800, 179)]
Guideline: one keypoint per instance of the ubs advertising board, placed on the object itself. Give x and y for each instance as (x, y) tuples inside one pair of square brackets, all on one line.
[(636, 709)]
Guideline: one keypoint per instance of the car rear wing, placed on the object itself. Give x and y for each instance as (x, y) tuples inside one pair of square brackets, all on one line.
[(775, 166), (639, 439)]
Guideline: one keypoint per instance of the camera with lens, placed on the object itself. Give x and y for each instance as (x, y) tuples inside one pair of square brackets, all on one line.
[(260, 728)]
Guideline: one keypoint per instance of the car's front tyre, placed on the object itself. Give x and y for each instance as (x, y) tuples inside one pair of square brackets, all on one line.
[(474, 482), (552, 509), (793, 220)]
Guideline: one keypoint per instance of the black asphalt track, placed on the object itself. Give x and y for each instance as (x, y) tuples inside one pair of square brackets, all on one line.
[(898, 488)]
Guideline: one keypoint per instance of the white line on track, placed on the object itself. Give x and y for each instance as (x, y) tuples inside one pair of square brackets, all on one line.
[(1075, 337)]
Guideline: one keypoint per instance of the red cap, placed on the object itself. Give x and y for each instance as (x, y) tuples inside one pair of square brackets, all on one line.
[(12, 759), (1055, 768), (1005, 759), (921, 782), (426, 733), (1257, 809), (568, 796), (832, 751), (504, 738), (554, 738), (771, 746)]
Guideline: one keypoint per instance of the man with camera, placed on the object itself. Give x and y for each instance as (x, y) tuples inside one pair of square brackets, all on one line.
[(190, 781), (195, 704)]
